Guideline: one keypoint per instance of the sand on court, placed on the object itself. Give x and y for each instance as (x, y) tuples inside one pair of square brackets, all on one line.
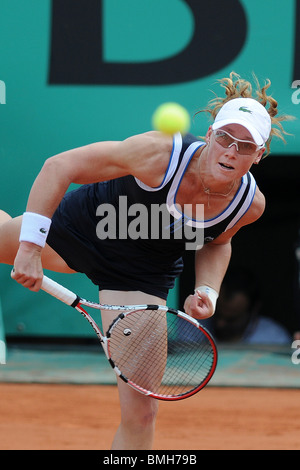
[(72, 417)]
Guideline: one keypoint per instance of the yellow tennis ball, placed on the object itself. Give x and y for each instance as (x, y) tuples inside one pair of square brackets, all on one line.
[(171, 118)]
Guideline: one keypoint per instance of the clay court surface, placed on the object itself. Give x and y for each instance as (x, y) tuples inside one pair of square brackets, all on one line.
[(84, 417)]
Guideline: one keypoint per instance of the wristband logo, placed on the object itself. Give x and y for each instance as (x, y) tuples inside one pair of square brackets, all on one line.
[(43, 230)]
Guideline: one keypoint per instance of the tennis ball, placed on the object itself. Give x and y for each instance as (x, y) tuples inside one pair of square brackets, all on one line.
[(171, 118)]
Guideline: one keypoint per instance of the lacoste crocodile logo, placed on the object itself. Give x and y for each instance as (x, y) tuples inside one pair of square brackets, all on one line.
[(43, 230), (245, 109)]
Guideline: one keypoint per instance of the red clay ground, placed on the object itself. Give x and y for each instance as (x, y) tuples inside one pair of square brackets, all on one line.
[(68, 417)]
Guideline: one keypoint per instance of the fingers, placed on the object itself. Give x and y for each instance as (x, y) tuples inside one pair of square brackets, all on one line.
[(199, 306), (28, 269), (203, 299), (31, 282)]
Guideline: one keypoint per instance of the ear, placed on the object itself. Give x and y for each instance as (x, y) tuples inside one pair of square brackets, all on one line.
[(208, 134), (259, 156)]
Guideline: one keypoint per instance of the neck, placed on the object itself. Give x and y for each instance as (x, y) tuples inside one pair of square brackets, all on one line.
[(207, 180)]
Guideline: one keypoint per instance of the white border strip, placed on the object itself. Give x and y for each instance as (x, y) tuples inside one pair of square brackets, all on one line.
[(2, 352)]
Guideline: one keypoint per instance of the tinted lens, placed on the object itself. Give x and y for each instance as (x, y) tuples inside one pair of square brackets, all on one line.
[(246, 148), (243, 147)]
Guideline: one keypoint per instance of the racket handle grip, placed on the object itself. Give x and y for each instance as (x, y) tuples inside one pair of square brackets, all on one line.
[(58, 291)]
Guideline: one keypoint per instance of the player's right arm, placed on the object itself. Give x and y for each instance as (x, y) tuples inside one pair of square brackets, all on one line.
[(145, 156)]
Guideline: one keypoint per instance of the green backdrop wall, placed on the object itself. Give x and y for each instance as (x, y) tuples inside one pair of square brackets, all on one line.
[(74, 72)]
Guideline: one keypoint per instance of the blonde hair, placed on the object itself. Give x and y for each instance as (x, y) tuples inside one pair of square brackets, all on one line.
[(237, 87)]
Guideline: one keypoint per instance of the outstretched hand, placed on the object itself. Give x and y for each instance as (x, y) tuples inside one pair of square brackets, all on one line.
[(199, 306)]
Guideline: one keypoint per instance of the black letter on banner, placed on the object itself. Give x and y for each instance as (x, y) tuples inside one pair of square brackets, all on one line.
[(76, 46), (296, 71)]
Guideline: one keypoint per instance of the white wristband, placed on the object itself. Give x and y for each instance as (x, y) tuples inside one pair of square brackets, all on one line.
[(212, 294), (35, 228)]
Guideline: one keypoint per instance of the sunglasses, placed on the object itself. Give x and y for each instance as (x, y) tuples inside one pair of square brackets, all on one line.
[(243, 147)]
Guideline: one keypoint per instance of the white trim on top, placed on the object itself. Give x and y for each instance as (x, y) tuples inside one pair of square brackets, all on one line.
[(173, 162)]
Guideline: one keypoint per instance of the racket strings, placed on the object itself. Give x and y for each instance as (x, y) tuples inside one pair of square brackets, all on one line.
[(190, 355), (163, 354), (135, 347)]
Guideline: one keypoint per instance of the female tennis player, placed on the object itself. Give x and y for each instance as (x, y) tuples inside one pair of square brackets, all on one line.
[(71, 231)]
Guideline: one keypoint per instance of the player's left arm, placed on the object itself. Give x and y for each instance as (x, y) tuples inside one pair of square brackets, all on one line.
[(212, 260)]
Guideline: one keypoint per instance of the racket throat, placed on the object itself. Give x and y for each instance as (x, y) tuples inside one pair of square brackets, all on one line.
[(117, 370), (105, 343)]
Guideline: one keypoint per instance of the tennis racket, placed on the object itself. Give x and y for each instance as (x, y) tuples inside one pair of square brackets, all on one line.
[(160, 352)]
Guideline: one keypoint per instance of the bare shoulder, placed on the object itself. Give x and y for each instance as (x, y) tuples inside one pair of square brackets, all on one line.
[(147, 156), (149, 139), (257, 207), (254, 212)]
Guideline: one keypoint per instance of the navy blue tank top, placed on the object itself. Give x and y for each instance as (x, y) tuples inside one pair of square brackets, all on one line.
[(125, 235)]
